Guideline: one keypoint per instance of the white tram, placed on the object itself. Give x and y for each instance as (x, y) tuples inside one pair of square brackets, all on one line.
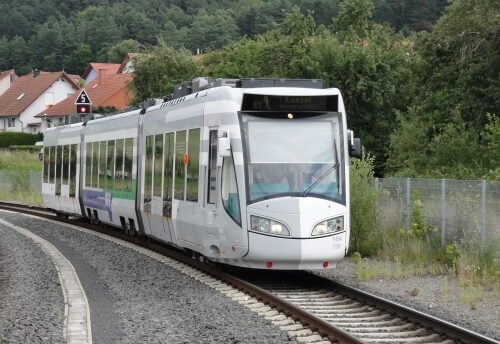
[(254, 175)]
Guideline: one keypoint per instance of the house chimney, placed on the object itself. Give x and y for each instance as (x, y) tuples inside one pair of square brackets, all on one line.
[(102, 76), (36, 73)]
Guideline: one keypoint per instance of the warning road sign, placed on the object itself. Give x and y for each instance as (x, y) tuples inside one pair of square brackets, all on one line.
[(83, 98)]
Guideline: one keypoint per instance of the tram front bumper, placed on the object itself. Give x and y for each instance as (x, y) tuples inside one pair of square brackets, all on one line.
[(271, 252)]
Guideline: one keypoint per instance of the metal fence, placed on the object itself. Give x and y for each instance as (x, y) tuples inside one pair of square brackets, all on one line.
[(458, 208)]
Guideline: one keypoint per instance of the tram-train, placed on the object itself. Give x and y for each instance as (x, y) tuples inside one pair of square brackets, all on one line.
[(253, 173)]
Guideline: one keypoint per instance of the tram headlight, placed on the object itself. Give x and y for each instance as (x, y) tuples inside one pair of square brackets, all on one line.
[(261, 224), (329, 226)]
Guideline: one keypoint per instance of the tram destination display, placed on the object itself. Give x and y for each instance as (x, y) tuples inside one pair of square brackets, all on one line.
[(259, 102)]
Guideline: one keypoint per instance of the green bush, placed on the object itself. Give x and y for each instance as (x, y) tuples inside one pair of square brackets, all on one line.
[(8, 139), (29, 148), (365, 233)]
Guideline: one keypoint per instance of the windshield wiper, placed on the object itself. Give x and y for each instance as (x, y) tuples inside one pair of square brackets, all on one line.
[(306, 192)]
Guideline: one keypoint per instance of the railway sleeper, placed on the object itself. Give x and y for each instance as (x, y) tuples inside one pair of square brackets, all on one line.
[(427, 339), (402, 335), (382, 329), (371, 324), (321, 308)]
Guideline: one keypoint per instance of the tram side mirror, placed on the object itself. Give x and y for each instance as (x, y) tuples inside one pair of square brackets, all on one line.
[(355, 148), (40, 156), (224, 144)]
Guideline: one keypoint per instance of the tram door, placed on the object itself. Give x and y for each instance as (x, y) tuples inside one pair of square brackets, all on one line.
[(211, 183)]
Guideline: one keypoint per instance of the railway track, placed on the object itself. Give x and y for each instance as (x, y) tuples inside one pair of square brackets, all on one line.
[(338, 313)]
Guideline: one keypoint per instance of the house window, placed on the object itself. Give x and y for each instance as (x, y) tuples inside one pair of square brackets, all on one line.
[(11, 122)]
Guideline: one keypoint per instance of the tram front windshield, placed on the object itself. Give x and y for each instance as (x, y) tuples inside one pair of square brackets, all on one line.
[(294, 157)]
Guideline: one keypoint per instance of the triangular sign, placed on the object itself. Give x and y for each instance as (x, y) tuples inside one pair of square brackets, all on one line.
[(83, 98)]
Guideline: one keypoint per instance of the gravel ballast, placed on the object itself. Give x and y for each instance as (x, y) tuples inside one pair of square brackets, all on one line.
[(439, 296), (31, 299), (136, 299)]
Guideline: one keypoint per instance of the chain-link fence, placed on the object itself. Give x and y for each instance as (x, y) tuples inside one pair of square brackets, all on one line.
[(458, 208)]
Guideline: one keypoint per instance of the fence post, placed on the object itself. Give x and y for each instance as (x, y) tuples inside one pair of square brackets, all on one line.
[(483, 213), (376, 183), (408, 203), (443, 212)]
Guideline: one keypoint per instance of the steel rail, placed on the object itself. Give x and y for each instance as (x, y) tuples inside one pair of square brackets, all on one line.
[(441, 326)]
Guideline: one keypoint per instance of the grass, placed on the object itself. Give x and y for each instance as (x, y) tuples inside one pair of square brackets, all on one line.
[(15, 184)]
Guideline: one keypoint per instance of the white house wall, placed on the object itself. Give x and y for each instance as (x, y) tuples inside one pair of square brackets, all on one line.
[(91, 76), (61, 90), (4, 84)]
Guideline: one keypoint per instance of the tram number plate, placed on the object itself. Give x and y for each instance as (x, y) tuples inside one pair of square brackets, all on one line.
[(338, 240)]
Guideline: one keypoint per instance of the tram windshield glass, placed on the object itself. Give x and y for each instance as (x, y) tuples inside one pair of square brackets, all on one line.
[(300, 157)]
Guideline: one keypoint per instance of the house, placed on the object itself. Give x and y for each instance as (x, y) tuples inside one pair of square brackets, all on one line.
[(6, 79), (104, 91), (30, 95), (93, 68)]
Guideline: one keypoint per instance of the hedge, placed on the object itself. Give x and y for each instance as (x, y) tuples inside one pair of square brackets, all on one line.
[(29, 148), (8, 139)]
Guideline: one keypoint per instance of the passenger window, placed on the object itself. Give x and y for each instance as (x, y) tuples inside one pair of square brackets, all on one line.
[(46, 159), (52, 162), (95, 163), (180, 167), (230, 197), (212, 167), (58, 169), (65, 164), (158, 165), (72, 171), (193, 165), (102, 164), (129, 156), (148, 174), (88, 165), (119, 166), (168, 160), (110, 166)]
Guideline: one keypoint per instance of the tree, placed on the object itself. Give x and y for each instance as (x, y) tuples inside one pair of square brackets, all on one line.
[(157, 72), (118, 51), (459, 79)]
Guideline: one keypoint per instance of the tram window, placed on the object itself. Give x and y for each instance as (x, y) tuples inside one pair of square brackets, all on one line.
[(46, 159), (193, 165), (88, 164), (102, 165), (168, 159), (95, 163), (180, 167), (158, 164), (129, 156), (148, 174), (212, 167), (52, 161), (65, 164), (119, 166), (230, 197), (110, 165), (72, 171), (58, 169)]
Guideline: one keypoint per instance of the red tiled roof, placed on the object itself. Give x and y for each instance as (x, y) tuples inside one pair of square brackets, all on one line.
[(99, 94), (6, 73), (74, 77), (111, 67), (26, 90)]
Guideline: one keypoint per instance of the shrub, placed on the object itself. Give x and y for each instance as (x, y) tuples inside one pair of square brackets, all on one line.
[(365, 236), (29, 148), (8, 139)]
